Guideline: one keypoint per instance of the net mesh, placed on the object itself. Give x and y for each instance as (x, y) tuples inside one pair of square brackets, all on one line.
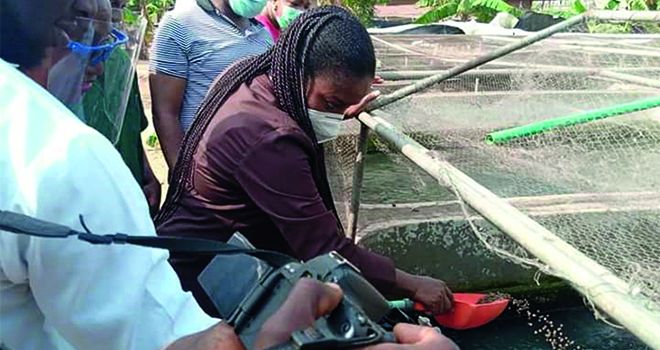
[(595, 185)]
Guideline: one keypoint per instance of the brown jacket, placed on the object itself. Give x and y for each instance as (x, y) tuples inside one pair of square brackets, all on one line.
[(252, 174)]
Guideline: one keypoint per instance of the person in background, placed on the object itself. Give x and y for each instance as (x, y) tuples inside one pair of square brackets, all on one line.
[(120, 117), (193, 45), (68, 294), (253, 161), (278, 15)]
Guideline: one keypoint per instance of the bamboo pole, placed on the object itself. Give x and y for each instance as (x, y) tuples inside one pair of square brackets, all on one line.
[(654, 83), (504, 50), (558, 93), (606, 290), (419, 74), (358, 175), (511, 38)]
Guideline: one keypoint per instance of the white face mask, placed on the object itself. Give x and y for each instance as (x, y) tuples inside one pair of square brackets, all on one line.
[(326, 125)]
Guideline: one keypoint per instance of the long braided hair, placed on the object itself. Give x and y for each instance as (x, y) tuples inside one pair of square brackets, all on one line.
[(324, 40)]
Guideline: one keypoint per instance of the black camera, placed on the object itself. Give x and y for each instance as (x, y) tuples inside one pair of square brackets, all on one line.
[(246, 291)]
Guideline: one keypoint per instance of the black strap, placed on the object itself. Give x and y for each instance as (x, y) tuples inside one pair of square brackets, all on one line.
[(23, 224)]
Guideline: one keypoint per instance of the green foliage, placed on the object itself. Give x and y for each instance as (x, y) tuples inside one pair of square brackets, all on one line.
[(633, 5), (577, 7), (637, 5), (612, 4), (608, 28), (621, 28), (152, 10), (595, 26), (363, 9), (427, 3), (438, 13), (482, 10), (131, 17), (152, 141), (499, 6)]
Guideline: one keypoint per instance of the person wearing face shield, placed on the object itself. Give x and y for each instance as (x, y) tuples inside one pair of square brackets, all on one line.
[(64, 293), (194, 43), (253, 159), (112, 103), (279, 14)]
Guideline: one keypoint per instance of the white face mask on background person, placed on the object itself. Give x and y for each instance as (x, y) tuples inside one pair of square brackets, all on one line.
[(326, 125)]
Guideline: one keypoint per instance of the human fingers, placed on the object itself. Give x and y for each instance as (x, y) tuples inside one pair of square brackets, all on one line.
[(309, 300)]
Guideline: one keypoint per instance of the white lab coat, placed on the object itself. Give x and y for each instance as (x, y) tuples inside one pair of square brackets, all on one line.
[(65, 293)]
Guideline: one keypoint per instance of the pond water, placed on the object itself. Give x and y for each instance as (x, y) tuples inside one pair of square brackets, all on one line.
[(391, 179), (578, 323)]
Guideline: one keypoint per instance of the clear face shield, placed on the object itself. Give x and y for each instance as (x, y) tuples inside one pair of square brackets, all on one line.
[(94, 73)]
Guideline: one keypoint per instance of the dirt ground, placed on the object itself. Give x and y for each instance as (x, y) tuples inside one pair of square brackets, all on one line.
[(155, 155)]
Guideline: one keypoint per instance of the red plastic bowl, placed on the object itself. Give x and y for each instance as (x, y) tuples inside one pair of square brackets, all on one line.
[(467, 314)]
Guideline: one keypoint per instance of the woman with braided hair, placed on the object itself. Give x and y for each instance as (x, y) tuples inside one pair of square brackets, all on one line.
[(253, 162)]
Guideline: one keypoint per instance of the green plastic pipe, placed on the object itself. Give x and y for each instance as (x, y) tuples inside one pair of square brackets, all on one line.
[(403, 304), (503, 136)]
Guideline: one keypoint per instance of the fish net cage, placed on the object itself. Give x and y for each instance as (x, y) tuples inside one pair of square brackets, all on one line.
[(593, 179)]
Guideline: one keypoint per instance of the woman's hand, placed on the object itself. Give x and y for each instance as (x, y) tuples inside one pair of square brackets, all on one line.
[(355, 110), (434, 294)]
